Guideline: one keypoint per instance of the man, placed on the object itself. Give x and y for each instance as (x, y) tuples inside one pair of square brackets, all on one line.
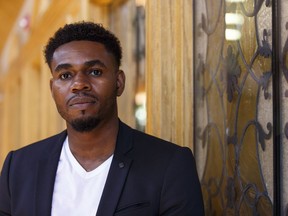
[(98, 166)]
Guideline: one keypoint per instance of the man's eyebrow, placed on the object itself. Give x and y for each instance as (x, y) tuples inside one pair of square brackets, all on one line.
[(62, 66), (94, 62), (87, 64)]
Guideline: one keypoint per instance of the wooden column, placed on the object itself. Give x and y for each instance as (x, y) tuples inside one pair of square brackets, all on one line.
[(122, 18), (50, 121), (30, 104), (169, 81), (11, 118)]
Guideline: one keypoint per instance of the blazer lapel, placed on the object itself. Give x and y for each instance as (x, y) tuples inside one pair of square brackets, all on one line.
[(117, 174), (46, 174)]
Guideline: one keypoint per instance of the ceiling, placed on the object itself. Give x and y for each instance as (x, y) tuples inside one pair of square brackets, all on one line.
[(9, 11)]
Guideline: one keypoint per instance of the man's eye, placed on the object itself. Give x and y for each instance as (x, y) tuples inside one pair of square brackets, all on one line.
[(65, 76), (96, 72)]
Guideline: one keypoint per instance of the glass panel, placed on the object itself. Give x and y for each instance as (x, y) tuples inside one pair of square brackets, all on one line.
[(140, 96), (284, 102), (233, 105)]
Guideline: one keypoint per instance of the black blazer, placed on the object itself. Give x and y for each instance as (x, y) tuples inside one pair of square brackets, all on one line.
[(148, 177)]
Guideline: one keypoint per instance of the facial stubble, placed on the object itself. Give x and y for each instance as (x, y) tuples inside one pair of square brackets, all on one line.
[(85, 124)]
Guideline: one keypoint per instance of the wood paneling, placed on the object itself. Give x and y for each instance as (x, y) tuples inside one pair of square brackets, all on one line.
[(101, 2), (9, 11), (169, 70), (122, 18)]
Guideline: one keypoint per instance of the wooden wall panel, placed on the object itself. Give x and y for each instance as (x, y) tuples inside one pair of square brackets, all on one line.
[(50, 121), (169, 70), (122, 17), (29, 104), (11, 118)]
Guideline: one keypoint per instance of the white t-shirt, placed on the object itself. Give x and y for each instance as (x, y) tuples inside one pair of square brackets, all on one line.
[(76, 191)]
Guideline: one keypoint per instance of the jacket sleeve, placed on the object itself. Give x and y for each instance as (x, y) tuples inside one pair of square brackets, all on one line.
[(181, 193), (5, 199)]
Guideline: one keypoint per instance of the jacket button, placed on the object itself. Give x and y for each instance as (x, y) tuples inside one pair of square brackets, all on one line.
[(121, 165)]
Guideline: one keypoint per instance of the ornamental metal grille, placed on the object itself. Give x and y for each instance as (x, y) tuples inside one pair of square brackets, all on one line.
[(234, 99)]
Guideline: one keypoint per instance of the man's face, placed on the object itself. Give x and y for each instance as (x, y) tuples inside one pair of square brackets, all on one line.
[(85, 84)]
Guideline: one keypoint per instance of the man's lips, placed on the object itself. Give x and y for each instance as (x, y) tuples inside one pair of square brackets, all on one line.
[(81, 101)]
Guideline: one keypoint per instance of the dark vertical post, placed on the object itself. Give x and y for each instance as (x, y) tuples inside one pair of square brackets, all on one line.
[(276, 106)]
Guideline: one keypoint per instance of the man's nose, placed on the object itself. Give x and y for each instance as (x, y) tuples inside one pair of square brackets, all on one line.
[(81, 83)]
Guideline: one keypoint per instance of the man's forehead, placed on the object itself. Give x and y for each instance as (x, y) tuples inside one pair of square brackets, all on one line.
[(81, 45), (81, 52)]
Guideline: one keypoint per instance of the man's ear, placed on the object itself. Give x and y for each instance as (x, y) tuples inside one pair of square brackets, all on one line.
[(51, 86), (120, 82)]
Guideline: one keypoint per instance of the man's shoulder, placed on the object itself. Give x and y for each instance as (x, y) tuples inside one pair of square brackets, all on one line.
[(30, 155), (148, 143), (149, 139)]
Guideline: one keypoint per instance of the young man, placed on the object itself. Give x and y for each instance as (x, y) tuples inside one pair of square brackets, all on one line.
[(98, 166)]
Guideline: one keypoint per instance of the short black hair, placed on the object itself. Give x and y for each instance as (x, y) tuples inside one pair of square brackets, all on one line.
[(87, 31)]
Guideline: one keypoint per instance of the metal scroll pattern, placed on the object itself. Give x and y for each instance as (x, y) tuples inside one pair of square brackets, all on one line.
[(233, 103), (284, 70)]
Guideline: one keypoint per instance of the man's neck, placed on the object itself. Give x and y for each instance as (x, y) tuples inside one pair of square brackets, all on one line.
[(92, 148)]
